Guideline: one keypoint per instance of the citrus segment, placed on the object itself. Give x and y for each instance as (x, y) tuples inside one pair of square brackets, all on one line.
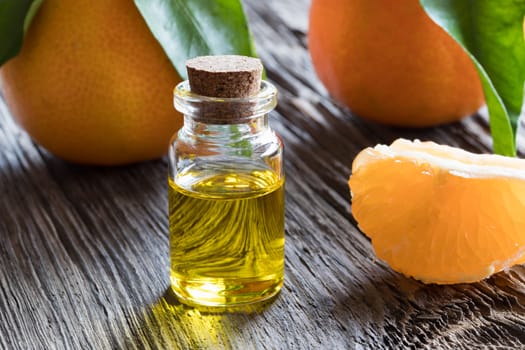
[(438, 213)]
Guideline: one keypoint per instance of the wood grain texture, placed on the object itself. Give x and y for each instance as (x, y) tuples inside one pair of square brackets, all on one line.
[(84, 250)]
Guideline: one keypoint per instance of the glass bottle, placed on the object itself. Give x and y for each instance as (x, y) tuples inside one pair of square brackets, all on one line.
[(226, 200)]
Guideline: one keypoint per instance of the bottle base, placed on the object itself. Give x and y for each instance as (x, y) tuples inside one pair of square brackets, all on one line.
[(224, 293)]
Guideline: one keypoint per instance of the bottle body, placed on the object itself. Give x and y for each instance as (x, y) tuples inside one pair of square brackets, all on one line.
[(226, 211)]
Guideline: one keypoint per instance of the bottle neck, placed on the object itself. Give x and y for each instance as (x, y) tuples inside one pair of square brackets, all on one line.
[(226, 126), (220, 111), (247, 128)]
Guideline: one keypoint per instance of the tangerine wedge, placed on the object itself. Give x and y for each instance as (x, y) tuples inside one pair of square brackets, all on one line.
[(440, 214)]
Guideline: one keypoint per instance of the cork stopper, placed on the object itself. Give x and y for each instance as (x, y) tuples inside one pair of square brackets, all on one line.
[(229, 82), (227, 76)]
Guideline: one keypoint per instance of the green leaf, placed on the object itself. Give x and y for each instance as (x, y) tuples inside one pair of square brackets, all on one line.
[(189, 28), (15, 16), (492, 33), (31, 13)]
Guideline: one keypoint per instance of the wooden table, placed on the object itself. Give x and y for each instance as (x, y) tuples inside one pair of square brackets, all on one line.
[(84, 250)]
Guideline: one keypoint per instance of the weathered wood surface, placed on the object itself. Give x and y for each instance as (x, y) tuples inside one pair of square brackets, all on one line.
[(84, 250)]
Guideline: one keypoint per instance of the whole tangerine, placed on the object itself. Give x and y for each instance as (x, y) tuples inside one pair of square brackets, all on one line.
[(92, 85), (390, 63)]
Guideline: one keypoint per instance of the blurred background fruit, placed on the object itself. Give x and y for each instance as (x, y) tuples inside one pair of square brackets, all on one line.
[(92, 85), (388, 62)]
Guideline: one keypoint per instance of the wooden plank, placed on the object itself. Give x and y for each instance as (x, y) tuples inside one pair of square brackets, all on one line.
[(84, 250)]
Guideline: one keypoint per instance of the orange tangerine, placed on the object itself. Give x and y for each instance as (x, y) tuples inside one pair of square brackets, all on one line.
[(92, 84), (438, 213), (390, 63)]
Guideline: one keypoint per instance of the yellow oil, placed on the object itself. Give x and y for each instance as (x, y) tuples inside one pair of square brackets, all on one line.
[(226, 236)]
